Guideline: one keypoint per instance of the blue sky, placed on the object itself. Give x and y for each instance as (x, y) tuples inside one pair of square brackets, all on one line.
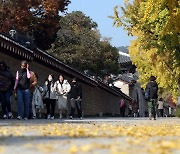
[(99, 10)]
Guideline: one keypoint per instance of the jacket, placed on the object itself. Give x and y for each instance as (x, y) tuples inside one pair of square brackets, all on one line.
[(33, 81), (62, 88), (152, 90), (49, 92), (37, 97), (76, 91)]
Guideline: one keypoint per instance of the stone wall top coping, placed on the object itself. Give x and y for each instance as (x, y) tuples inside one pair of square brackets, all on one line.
[(15, 43), (78, 74)]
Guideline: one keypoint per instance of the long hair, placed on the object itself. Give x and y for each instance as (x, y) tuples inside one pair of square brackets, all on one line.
[(49, 82), (62, 76)]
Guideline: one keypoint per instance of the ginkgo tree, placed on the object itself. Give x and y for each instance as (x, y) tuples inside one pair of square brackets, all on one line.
[(156, 48)]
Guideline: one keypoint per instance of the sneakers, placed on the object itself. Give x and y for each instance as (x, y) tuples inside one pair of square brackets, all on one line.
[(10, 115), (52, 118), (34, 117), (150, 116), (80, 118), (5, 116), (25, 118), (60, 116), (19, 117), (70, 117), (48, 116)]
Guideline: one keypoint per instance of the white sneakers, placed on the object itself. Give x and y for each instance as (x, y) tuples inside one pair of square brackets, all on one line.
[(19, 117), (5, 116), (48, 116)]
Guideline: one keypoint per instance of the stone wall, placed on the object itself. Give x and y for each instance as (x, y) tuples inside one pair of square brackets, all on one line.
[(96, 101)]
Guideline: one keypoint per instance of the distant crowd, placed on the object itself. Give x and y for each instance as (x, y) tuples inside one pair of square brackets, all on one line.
[(155, 105), (32, 98)]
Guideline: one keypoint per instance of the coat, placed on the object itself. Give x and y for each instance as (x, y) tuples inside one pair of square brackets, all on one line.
[(49, 94), (37, 99), (33, 81), (62, 91)]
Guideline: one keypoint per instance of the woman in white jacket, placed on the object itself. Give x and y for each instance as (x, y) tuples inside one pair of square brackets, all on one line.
[(62, 90)]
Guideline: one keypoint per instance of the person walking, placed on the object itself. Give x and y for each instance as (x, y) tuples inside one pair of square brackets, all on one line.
[(6, 82), (22, 85), (62, 89), (33, 84), (130, 114), (37, 101), (161, 107), (151, 95), (122, 108), (76, 98), (50, 96)]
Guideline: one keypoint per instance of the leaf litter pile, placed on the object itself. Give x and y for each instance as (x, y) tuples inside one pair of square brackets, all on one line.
[(119, 137)]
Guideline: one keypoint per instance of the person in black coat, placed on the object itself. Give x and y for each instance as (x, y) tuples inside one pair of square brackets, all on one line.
[(151, 95), (76, 98)]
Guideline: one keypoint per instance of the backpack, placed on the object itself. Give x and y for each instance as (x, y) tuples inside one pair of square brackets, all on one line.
[(151, 91), (147, 94)]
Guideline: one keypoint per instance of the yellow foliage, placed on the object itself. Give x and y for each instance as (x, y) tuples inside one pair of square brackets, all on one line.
[(153, 136), (155, 51), (73, 149), (2, 149)]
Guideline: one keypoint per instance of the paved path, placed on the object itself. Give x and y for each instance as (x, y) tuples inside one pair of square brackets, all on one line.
[(91, 135), (85, 120)]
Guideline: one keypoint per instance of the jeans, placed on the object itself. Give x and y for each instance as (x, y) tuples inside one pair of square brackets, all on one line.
[(5, 101), (23, 99), (76, 104), (30, 105)]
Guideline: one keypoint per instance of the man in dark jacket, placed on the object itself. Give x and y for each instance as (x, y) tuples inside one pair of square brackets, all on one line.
[(75, 98), (151, 95), (6, 83)]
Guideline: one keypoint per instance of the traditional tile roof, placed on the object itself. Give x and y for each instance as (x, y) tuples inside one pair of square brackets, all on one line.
[(9, 46), (127, 78), (124, 58)]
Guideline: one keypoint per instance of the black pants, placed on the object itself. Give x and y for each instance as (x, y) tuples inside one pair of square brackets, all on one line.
[(76, 104), (122, 111), (5, 101), (160, 112), (50, 106)]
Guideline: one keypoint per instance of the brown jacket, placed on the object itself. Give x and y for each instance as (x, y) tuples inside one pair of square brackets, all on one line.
[(33, 81)]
